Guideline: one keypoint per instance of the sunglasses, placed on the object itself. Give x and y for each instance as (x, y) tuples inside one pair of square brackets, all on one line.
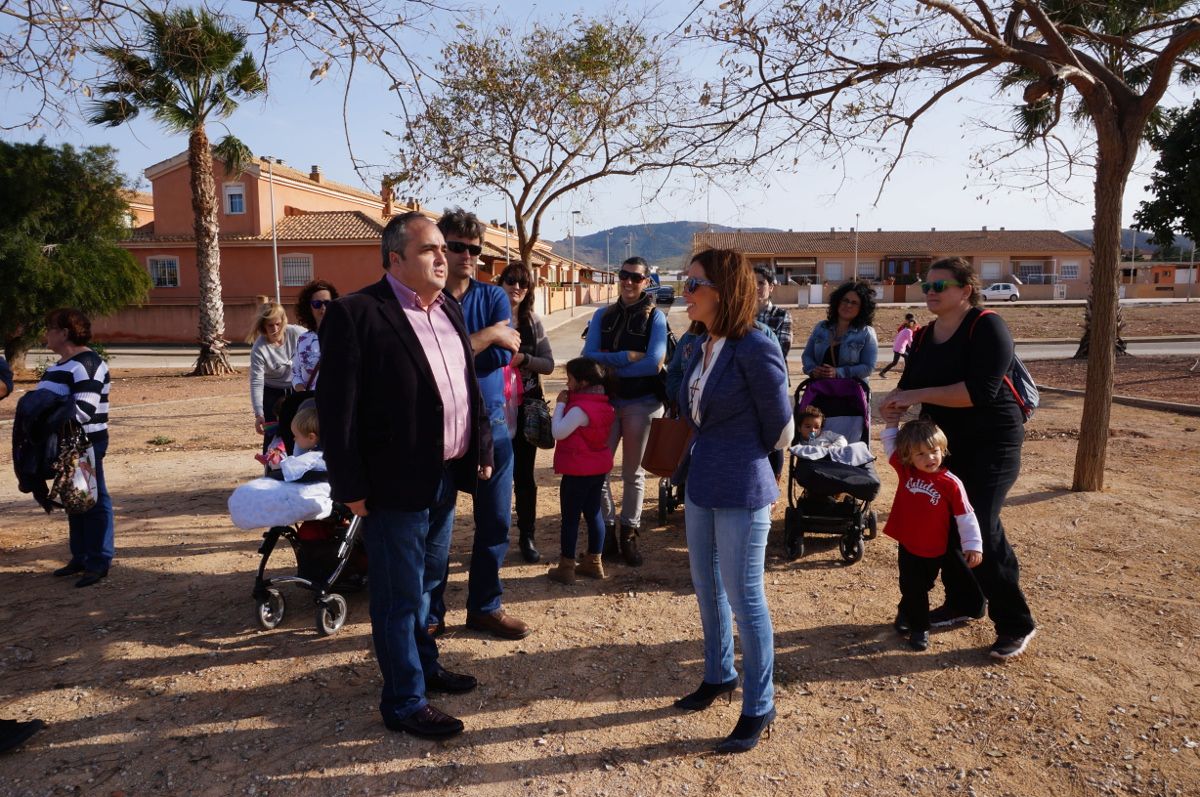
[(630, 276), (320, 304), (937, 286), (458, 247), (692, 283), (510, 281)]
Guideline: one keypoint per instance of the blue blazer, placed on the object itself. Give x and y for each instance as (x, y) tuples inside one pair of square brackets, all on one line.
[(744, 410)]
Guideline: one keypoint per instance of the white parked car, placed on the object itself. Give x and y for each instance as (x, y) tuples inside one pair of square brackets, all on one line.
[(997, 291)]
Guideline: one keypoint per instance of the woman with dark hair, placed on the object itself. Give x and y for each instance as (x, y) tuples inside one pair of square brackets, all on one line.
[(734, 396), (81, 374), (310, 311), (955, 371), (844, 344), (533, 358)]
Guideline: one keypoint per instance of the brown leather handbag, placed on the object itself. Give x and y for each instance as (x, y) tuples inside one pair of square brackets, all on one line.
[(665, 449)]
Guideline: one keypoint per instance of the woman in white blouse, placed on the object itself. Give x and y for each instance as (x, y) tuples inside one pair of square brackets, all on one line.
[(310, 311)]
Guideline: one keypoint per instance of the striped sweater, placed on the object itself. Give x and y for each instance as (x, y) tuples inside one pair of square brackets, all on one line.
[(84, 376)]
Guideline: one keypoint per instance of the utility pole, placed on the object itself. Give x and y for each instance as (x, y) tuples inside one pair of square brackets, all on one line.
[(270, 161), (856, 247)]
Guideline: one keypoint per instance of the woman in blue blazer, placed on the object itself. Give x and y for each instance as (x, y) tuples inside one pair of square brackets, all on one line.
[(734, 394)]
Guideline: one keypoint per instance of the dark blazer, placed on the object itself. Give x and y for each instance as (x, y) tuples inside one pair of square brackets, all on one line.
[(380, 409), (744, 410)]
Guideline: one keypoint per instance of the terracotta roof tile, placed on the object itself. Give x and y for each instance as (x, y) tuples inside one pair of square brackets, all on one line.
[(331, 225), (897, 242)]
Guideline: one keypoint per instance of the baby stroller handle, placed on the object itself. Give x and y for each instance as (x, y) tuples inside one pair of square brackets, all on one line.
[(350, 538)]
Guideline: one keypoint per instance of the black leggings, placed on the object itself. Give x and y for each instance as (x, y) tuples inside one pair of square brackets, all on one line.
[(524, 483), (897, 356), (987, 472)]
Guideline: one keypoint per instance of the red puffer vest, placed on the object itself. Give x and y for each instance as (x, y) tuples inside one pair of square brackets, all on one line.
[(585, 451)]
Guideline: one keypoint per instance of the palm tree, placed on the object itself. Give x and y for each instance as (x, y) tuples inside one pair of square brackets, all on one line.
[(189, 66)]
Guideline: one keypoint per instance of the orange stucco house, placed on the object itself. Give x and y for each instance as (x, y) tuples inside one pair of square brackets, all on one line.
[(320, 228)]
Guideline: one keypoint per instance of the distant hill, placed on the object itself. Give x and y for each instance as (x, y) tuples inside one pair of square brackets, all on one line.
[(663, 245), (1143, 240)]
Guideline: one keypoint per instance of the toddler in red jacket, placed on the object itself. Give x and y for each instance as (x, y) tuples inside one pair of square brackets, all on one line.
[(583, 418), (928, 498)]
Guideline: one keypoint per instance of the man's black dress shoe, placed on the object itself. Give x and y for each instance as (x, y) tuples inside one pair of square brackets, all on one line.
[(69, 570), (90, 578), (442, 680), (427, 723)]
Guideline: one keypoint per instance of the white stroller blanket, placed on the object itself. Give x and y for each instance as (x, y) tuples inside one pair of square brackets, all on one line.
[(269, 502), (854, 454)]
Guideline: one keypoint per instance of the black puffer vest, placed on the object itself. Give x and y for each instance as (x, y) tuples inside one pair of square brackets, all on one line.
[(627, 328)]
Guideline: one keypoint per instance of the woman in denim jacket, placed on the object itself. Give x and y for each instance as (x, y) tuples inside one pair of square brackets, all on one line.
[(844, 344)]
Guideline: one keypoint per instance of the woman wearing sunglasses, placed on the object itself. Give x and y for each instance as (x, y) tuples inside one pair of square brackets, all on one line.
[(273, 346), (735, 397), (955, 371), (844, 344), (533, 358), (310, 311)]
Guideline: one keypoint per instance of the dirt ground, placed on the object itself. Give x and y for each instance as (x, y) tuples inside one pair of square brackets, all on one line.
[(157, 681)]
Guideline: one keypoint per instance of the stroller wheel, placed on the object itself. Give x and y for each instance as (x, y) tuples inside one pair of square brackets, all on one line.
[(664, 500), (270, 611), (872, 526), (852, 549), (331, 615), (793, 535)]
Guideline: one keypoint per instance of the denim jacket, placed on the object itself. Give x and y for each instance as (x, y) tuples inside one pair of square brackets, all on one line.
[(855, 356)]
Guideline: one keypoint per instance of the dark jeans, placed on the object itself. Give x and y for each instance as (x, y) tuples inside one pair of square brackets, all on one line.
[(91, 532), (524, 484), (493, 516), (582, 495), (988, 473), (271, 397), (406, 559), (918, 574)]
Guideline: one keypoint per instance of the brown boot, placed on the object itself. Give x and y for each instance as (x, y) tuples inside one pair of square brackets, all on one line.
[(591, 566), (629, 546), (563, 572)]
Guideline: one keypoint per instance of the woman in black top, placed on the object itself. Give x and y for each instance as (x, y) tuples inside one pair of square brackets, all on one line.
[(956, 371), (533, 358)]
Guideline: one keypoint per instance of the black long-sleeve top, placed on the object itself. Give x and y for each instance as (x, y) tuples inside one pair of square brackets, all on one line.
[(978, 354), (539, 358)]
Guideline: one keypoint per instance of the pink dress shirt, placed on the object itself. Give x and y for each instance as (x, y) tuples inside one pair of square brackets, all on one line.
[(444, 350)]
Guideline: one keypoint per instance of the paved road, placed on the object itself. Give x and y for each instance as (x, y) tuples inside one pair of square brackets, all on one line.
[(566, 342)]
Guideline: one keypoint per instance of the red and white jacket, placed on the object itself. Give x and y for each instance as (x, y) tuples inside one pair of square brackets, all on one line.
[(924, 505), (581, 428)]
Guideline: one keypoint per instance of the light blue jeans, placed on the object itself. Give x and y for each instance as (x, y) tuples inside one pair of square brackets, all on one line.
[(727, 550)]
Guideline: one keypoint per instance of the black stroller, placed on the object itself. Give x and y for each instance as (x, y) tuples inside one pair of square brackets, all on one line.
[(330, 560), (828, 497)]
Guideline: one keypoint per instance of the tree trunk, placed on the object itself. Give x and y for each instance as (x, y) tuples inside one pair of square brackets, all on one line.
[(1114, 161), (213, 358)]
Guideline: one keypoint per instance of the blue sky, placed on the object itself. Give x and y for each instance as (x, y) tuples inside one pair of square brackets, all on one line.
[(936, 186)]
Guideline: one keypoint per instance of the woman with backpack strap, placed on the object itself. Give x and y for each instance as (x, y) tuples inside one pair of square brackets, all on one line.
[(956, 371)]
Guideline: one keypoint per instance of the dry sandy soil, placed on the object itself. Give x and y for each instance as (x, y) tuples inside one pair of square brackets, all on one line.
[(157, 681)]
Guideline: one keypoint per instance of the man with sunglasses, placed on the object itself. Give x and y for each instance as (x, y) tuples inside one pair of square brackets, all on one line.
[(488, 317), (630, 337)]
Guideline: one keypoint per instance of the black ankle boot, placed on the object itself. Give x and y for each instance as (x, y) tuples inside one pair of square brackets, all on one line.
[(528, 552), (629, 546), (703, 697), (746, 732), (611, 551)]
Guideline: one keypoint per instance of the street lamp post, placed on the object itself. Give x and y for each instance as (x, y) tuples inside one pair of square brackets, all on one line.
[(856, 247), (574, 265), (270, 161)]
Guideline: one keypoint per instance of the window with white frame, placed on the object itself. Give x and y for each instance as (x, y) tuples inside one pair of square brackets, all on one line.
[(868, 270), (1031, 271), (235, 199), (1069, 270), (297, 270), (834, 271), (989, 270), (164, 271)]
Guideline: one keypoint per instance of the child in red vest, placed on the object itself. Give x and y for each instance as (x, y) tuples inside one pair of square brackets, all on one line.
[(583, 417), (928, 498)]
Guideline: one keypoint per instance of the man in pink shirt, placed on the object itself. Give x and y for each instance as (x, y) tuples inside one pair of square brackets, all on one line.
[(404, 429)]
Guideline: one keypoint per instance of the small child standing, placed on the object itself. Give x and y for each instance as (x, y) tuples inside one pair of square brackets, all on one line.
[(904, 336), (928, 497), (582, 420)]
